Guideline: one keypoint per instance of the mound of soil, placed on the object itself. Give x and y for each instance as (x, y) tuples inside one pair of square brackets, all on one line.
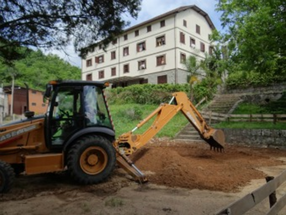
[(195, 166)]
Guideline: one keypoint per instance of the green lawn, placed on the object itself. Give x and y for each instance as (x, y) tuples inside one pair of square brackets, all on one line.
[(251, 125), (127, 116)]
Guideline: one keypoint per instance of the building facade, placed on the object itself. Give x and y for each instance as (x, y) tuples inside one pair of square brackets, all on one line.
[(153, 51), (36, 103)]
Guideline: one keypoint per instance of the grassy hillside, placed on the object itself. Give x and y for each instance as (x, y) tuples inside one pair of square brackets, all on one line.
[(36, 69), (127, 116)]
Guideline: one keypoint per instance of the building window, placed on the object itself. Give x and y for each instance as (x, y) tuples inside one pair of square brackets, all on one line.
[(211, 48), (136, 33), (182, 37), (99, 59), (210, 37), (125, 37), (101, 74), (125, 51), (161, 60), (141, 47), (162, 79), (34, 91), (198, 29), (88, 63), (149, 28), (141, 64), (183, 58), (43, 105), (89, 77), (126, 68), (160, 41), (34, 104), (113, 55), (113, 71), (192, 42), (185, 23), (114, 42), (202, 47), (162, 23)]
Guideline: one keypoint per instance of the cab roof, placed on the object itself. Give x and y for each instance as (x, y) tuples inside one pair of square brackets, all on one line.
[(78, 83)]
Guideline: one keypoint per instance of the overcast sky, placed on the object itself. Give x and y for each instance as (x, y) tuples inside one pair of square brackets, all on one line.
[(150, 9)]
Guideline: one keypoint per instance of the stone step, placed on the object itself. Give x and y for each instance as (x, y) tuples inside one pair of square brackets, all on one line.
[(187, 136), (189, 140)]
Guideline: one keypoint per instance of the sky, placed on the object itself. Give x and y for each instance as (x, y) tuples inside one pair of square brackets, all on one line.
[(150, 9)]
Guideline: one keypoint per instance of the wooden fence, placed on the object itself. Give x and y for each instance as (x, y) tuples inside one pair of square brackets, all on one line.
[(249, 201), (212, 116)]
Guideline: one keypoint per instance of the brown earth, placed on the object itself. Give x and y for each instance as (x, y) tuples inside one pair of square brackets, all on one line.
[(183, 179)]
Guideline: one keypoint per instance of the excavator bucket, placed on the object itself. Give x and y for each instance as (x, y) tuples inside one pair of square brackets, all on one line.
[(216, 140)]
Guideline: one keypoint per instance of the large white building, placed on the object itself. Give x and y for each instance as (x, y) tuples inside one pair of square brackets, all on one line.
[(152, 51)]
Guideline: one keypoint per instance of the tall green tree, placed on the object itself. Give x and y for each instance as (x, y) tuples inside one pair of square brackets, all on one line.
[(213, 71), (193, 69), (255, 33), (46, 24)]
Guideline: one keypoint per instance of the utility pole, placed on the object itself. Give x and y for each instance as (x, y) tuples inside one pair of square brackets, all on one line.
[(12, 96)]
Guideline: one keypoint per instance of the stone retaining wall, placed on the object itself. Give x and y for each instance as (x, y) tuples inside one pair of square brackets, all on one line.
[(280, 87), (256, 137)]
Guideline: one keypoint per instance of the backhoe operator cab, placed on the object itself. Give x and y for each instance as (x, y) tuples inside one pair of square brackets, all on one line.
[(76, 134), (75, 108)]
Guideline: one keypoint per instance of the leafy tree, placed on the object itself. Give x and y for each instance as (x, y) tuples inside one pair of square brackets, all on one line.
[(193, 68), (255, 34), (46, 24), (213, 71)]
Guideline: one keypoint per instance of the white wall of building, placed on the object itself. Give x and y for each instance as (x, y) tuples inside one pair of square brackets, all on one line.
[(183, 22)]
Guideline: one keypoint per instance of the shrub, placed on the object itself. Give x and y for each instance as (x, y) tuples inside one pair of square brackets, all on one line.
[(144, 93), (242, 79)]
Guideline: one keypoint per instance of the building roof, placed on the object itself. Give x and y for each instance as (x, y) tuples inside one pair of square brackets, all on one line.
[(172, 12), (8, 89)]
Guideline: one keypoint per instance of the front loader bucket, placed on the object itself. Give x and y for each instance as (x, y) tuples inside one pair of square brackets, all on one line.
[(216, 140)]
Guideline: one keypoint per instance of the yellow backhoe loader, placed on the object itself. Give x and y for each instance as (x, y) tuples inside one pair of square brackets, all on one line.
[(77, 134)]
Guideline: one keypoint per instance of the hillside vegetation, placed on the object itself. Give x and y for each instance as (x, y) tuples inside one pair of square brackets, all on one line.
[(36, 69)]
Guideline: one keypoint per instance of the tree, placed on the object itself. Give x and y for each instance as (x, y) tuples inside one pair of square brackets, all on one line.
[(255, 33), (213, 68), (46, 24), (193, 68)]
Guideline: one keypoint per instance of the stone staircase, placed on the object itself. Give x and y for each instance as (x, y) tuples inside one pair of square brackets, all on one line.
[(188, 134), (226, 102), (223, 103)]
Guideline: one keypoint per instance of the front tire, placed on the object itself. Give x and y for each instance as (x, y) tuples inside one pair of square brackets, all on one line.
[(91, 159), (7, 177)]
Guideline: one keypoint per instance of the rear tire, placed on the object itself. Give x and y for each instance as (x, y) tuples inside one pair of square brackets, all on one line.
[(7, 177), (91, 159)]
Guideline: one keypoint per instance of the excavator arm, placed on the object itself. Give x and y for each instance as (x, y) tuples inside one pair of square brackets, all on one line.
[(128, 143)]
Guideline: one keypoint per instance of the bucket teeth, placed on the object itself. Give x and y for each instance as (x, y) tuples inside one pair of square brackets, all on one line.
[(217, 148), (216, 141)]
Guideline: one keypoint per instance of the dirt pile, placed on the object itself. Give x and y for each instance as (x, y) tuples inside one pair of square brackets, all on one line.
[(193, 166)]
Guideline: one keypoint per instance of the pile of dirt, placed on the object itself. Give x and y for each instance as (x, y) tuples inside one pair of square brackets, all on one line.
[(193, 166)]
